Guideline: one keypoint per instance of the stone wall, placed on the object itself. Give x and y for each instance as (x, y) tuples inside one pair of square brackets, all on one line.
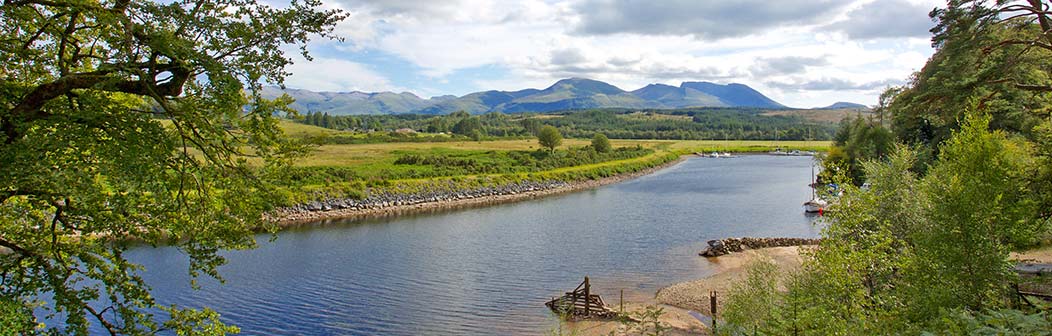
[(724, 246), (387, 200)]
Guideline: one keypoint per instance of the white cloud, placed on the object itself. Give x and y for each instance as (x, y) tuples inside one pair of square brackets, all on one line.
[(328, 74), (797, 45)]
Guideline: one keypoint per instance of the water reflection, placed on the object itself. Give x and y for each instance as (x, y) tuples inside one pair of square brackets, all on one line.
[(489, 270)]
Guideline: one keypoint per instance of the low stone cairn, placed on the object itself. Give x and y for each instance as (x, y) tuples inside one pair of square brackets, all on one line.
[(719, 247)]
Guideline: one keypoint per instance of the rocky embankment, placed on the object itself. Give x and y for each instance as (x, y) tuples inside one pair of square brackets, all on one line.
[(719, 247), (380, 204), (389, 200)]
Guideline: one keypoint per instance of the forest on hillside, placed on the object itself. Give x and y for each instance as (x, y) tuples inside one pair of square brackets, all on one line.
[(678, 124)]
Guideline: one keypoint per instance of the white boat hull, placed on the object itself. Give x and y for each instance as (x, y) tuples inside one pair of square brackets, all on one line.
[(815, 205)]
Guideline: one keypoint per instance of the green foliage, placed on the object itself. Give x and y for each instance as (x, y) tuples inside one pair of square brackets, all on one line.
[(193, 322), (419, 178), (689, 124), (973, 67), (600, 143), (15, 317), (549, 137), (460, 162), (644, 322), (1005, 322), (531, 125), (898, 254), (681, 124), (978, 208), (750, 304), (855, 141), (990, 65), (303, 184), (85, 162), (926, 247), (467, 126)]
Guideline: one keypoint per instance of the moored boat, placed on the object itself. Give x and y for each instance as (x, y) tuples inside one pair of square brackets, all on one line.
[(816, 204)]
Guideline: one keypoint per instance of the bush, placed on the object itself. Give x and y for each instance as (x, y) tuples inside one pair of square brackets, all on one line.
[(600, 143)]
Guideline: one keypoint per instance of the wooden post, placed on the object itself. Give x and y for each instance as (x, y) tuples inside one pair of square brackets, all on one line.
[(712, 309), (587, 297)]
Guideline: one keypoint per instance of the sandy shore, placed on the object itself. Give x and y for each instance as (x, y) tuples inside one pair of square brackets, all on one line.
[(679, 298), (731, 269), (301, 218), (1038, 255)]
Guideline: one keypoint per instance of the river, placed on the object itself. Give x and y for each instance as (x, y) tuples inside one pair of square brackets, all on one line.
[(489, 270)]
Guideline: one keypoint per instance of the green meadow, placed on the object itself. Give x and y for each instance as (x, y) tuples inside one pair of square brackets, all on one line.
[(353, 170)]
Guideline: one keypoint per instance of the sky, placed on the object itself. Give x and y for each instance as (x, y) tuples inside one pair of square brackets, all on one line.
[(801, 53)]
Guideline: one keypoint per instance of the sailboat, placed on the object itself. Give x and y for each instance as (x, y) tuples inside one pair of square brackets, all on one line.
[(816, 204)]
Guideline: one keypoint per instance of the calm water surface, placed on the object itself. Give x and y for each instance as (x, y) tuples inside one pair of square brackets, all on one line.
[(489, 270)]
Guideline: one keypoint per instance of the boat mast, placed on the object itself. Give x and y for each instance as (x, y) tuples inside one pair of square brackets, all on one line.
[(812, 180)]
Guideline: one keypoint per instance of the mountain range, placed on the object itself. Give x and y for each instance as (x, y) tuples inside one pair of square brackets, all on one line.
[(566, 94)]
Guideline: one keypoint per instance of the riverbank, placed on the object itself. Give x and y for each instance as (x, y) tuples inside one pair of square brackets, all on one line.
[(676, 300), (399, 204), (731, 269)]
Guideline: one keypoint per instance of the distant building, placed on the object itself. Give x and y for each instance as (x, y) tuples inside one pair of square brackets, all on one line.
[(405, 131)]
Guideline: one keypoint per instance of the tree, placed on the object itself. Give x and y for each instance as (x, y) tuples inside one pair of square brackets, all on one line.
[(549, 137), (897, 257), (992, 57), (978, 210), (86, 162), (459, 115), (436, 125), (600, 143), (856, 141), (326, 120), (532, 125), (884, 103), (467, 126)]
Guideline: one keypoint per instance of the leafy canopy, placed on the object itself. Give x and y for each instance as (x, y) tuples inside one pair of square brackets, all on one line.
[(926, 247), (600, 143), (910, 252), (549, 137), (86, 160)]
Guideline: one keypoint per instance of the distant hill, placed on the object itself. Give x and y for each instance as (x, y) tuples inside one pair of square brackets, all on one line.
[(343, 103), (566, 94), (734, 94), (843, 105)]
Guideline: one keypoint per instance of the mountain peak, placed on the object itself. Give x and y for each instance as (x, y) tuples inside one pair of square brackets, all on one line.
[(585, 85), (734, 94)]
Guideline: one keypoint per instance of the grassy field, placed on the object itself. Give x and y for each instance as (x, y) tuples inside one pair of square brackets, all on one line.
[(352, 170), (369, 156), (374, 160), (357, 154), (349, 155), (342, 155)]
